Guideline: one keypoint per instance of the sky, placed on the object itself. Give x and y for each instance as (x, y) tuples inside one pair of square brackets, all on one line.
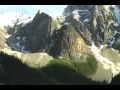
[(8, 13), (52, 10)]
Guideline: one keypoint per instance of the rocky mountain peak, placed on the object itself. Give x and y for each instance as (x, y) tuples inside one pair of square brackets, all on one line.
[(35, 35), (83, 37), (96, 19), (95, 23)]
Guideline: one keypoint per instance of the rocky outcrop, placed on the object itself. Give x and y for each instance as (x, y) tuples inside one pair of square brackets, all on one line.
[(43, 34), (102, 24), (34, 36), (69, 43), (79, 26), (91, 22), (96, 20), (71, 8)]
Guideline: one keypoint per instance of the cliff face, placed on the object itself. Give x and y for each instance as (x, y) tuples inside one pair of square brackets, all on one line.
[(88, 23), (71, 8), (102, 24), (96, 20), (34, 36), (69, 44)]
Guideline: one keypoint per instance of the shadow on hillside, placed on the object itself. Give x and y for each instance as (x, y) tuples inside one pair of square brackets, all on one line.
[(13, 72), (67, 76), (115, 80)]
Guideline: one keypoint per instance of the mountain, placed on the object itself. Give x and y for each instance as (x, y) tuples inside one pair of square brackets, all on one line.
[(82, 44), (69, 43), (97, 19), (99, 25), (34, 36)]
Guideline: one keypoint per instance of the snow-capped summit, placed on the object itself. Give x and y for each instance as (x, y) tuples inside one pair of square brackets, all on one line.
[(76, 15)]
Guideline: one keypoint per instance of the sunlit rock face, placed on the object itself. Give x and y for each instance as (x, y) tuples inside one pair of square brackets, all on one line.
[(3, 37), (69, 44)]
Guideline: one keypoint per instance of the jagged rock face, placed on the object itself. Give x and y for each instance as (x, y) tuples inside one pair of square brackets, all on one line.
[(79, 27), (71, 8), (34, 36), (97, 20), (40, 32), (116, 41), (69, 44), (89, 23), (101, 24)]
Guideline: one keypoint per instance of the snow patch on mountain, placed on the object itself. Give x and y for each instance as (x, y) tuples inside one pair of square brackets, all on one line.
[(18, 38), (7, 36), (76, 15), (107, 64), (86, 20), (112, 39), (116, 24), (117, 13), (66, 23)]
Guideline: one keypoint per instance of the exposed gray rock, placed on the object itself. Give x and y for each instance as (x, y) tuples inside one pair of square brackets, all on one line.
[(34, 36), (97, 20)]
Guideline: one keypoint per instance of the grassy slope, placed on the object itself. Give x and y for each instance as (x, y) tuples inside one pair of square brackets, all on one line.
[(72, 72), (88, 67), (101, 74), (58, 71), (112, 55), (15, 72)]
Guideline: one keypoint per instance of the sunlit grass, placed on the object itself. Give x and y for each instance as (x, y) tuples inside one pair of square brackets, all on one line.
[(112, 55)]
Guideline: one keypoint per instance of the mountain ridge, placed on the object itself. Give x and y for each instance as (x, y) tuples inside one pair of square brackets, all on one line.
[(82, 36)]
